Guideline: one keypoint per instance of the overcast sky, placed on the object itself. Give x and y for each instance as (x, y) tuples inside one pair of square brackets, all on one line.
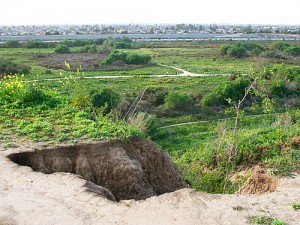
[(23, 12)]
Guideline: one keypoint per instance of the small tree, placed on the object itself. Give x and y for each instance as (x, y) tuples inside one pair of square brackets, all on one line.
[(237, 51), (179, 101), (62, 49)]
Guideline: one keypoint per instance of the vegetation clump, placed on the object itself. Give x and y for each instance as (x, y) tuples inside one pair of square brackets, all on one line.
[(107, 99), (62, 49), (178, 101), (240, 49), (266, 220), (11, 68), (128, 58)]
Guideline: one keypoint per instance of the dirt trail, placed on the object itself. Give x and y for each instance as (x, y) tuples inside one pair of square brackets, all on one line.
[(28, 197), (183, 73)]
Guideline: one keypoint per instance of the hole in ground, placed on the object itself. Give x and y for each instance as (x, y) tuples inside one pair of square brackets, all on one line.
[(117, 170)]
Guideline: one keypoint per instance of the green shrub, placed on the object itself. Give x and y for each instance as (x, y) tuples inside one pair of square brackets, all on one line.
[(8, 67), (34, 96), (237, 51), (279, 45), (250, 46), (272, 54), (48, 71), (279, 89), (40, 44), (137, 59), (234, 90), (106, 98), (121, 45), (89, 49), (62, 49), (78, 43), (16, 94), (257, 51), (128, 58), (240, 49), (12, 44), (178, 101), (114, 57), (293, 50), (210, 99), (224, 49), (156, 96)]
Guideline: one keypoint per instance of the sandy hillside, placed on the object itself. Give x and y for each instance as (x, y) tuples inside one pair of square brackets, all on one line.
[(28, 197)]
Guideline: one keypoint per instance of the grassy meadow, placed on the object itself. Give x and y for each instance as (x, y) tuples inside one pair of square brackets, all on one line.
[(194, 119)]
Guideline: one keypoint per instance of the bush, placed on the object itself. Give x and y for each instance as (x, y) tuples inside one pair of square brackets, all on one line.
[(156, 96), (14, 92), (34, 96), (237, 51), (234, 90), (137, 59), (8, 67), (40, 44), (279, 45), (106, 98), (279, 90), (89, 49), (62, 49), (178, 101), (250, 46), (224, 49), (12, 44), (114, 57), (293, 50), (240, 49), (77, 43), (210, 99), (122, 43), (128, 58), (272, 54)]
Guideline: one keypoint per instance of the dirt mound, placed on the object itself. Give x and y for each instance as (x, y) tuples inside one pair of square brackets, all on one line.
[(296, 141), (260, 182), (117, 170)]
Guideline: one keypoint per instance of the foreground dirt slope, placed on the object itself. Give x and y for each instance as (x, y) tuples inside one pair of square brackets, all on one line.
[(28, 197)]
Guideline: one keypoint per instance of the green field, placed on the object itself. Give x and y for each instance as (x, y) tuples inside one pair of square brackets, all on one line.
[(209, 151)]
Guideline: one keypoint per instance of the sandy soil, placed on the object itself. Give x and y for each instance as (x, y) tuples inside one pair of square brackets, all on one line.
[(28, 197)]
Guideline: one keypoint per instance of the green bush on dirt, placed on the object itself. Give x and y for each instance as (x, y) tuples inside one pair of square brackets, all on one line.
[(234, 90), (128, 58), (11, 68), (106, 98), (62, 49)]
